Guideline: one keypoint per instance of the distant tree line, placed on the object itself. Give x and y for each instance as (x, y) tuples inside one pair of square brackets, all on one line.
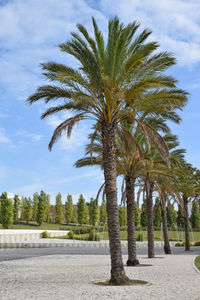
[(38, 209)]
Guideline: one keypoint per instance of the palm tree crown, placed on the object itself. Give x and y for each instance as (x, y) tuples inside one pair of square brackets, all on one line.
[(114, 81)]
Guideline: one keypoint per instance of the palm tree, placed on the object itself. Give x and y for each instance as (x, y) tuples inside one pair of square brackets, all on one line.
[(188, 188), (131, 165), (157, 176), (106, 90), (167, 184), (127, 165)]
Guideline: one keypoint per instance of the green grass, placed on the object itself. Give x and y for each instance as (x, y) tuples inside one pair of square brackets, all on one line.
[(197, 262), (157, 235), (194, 237), (45, 226)]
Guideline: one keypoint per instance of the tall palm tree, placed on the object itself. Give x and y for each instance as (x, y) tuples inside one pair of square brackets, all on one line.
[(167, 185), (158, 176), (127, 165), (106, 90), (164, 179), (187, 188)]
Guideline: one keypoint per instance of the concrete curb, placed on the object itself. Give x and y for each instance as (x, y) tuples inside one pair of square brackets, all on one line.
[(47, 243), (193, 263)]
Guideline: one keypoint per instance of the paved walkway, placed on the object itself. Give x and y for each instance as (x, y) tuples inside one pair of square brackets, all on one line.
[(70, 277)]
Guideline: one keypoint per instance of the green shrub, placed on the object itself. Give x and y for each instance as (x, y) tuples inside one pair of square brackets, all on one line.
[(140, 237), (197, 243), (184, 243), (45, 235), (93, 236), (71, 235), (81, 230), (179, 244)]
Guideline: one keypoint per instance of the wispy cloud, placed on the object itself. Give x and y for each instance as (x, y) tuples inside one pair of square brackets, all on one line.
[(34, 137), (195, 85), (3, 172), (175, 24), (53, 186), (26, 39), (29, 189), (75, 197), (3, 137), (89, 174)]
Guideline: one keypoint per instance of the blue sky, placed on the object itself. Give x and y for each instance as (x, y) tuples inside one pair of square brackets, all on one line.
[(30, 31)]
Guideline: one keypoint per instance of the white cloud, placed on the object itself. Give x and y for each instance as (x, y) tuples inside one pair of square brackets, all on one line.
[(92, 173), (87, 196), (195, 84), (51, 186), (34, 137), (29, 34), (3, 137), (175, 24), (3, 172), (28, 189)]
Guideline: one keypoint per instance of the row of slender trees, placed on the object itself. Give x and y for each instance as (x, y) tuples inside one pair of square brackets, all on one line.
[(38, 209), (120, 85)]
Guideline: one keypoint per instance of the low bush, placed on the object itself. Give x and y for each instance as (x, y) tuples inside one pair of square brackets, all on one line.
[(140, 237), (197, 243), (93, 236), (45, 235), (71, 235), (179, 244), (81, 230)]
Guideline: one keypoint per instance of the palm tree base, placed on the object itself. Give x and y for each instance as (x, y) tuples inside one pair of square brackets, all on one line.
[(151, 255), (167, 250), (132, 263), (119, 279), (130, 282)]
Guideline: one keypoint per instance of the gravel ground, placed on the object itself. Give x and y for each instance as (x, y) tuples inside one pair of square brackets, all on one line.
[(70, 277)]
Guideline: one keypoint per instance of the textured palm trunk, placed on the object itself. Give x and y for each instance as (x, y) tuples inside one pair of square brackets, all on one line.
[(150, 227), (130, 197), (186, 221), (118, 276), (167, 248)]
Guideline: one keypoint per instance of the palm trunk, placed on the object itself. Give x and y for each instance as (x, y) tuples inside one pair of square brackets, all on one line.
[(130, 196), (150, 227), (167, 248), (186, 221), (118, 276)]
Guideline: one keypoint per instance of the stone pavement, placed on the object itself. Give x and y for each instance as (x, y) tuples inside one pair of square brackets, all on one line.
[(71, 277)]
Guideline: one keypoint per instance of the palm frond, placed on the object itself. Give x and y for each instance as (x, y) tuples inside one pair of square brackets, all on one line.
[(50, 92), (67, 125), (88, 161)]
